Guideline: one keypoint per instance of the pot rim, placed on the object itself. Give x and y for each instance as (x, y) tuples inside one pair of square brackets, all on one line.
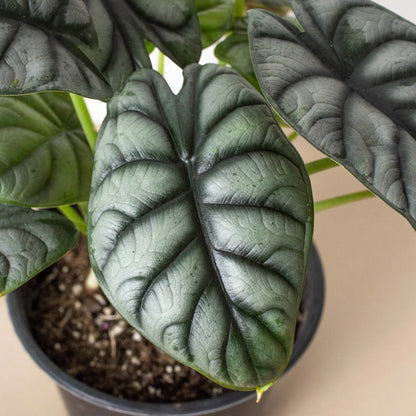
[(313, 300)]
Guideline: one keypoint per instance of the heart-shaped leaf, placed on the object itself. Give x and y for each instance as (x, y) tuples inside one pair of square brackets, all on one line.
[(348, 85), (29, 242), (45, 160), (200, 223), (90, 47)]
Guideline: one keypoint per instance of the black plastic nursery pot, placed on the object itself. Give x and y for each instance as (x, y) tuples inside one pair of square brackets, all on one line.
[(83, 400)]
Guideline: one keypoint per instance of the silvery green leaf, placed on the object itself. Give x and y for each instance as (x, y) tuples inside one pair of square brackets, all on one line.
[(29, 242), (200, 223), (348, 85)]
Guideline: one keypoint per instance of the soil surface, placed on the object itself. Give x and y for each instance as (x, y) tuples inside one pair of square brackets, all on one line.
[(84, 335)]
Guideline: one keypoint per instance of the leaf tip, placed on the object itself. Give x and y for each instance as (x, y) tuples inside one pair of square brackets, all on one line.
[(261, 390), (259, 396)]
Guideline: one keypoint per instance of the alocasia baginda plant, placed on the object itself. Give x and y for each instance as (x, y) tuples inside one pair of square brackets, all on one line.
[(200, 211)]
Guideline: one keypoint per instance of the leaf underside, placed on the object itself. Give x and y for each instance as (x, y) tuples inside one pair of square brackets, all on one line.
[(29, 242), (200, 223), (90, 47), (348, 85), (45, 160)]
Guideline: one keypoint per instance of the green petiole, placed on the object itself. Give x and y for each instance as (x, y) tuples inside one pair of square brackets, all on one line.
[(161, 63), (341, 200), (73, 216), (292, 136), (85, 119), (320, 165), (239, 8)]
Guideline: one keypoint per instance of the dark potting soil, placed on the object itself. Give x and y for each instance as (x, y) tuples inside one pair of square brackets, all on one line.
[(84, 335)]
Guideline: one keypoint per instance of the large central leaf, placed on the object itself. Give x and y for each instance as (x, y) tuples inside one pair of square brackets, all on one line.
[(89, 47), (348, 85), (200, 223)]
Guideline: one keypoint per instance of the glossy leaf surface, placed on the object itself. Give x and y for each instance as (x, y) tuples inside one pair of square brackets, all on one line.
[(29, 242), (200, 223), (348, 85), (45, 160), (89, 47)]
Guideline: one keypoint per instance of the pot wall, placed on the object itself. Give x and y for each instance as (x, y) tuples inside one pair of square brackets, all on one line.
[(246, 407)]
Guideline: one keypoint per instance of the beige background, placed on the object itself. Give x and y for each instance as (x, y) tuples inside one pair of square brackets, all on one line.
[(362, 361)]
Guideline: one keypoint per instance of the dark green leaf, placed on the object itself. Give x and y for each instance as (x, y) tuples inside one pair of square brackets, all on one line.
[(348, 85), (90, 47), (215, 17), (235, 51), (200, 222), (45, 160), (29, 242)]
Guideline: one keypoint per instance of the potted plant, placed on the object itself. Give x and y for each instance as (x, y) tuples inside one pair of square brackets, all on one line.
[(198, 199)]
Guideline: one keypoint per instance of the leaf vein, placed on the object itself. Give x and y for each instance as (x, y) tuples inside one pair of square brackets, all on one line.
[(279, 276), (136, 219)]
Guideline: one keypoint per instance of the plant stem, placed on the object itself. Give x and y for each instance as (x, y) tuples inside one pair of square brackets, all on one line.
[(292, 136), (161, 63), (85, 119), (239, 8), (320, 165), (73, 216), (341, 200)]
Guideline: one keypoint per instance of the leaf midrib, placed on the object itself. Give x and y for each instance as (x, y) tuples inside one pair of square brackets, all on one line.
[(187, 160), (206, 241)]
